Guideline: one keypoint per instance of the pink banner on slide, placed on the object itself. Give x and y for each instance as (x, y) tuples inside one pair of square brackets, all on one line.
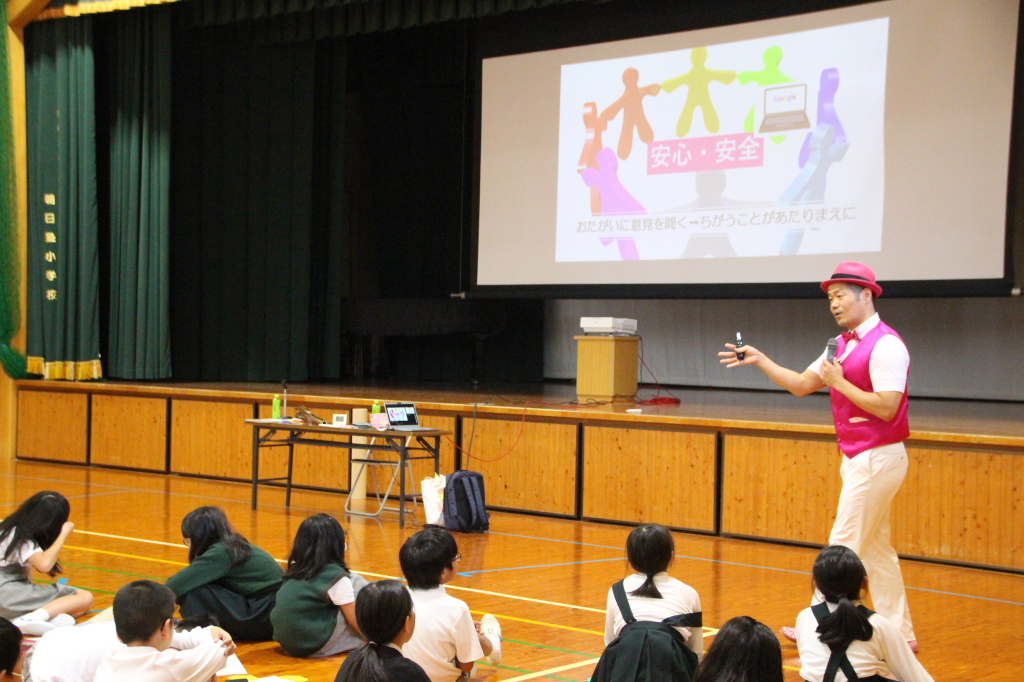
[(692, 154)]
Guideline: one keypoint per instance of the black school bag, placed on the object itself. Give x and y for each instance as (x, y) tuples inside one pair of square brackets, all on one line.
[(464, 503), (648, 651)]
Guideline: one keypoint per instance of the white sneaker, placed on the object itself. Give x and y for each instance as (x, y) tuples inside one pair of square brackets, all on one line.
[(491, 629), (32, 628), (62, 620)]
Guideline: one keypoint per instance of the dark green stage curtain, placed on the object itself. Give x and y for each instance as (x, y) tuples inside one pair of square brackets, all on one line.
[(140, 174), (63, 266), (292, 20), (246, 299)]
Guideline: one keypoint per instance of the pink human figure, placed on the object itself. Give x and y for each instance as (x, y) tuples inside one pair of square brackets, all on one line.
[(614, 197), (588, 159), (631, 104)]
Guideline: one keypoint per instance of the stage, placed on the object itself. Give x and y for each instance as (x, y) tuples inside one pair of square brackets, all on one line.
[(748, 464)]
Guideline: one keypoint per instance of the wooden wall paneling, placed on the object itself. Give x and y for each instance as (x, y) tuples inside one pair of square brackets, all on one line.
[(539, 474), (961, 505), (211, 438), (782, 488), (319, 467), (649, 476), (129, 432), (53, 425)]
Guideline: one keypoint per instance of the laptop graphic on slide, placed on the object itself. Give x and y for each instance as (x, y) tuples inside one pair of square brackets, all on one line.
[(785, 108), (403, 417)]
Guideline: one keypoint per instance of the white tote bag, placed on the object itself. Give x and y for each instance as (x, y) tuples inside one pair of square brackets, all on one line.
[(433, 499)]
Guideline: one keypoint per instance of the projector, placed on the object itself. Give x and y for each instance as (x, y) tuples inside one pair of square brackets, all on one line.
[(608, 325)]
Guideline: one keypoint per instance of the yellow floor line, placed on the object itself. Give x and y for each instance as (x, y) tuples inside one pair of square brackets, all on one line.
[(551, 671), (122, 537), (537, 622), (127, 556)]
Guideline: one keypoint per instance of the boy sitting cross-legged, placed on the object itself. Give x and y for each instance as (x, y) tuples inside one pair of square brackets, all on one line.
[(446, 641), (143, 612)]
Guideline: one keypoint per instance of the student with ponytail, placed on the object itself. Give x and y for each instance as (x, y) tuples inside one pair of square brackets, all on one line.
[(840, 639), (384, 613), (652, 594)]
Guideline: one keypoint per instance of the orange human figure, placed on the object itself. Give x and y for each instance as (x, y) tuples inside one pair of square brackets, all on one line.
[(632, 106), (588, 159)]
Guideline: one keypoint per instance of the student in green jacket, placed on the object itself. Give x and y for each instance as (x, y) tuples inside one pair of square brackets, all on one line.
[(226, 578), (316, 612)]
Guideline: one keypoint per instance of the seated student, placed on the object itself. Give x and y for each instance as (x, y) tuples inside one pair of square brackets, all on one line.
[(385, 615), (142, 619), (446, 641), (74, 654), (743, 651), (651, 617), (840, 639), (653, 594), (10, 651), (315, 613), (31, 538), (227, 578)]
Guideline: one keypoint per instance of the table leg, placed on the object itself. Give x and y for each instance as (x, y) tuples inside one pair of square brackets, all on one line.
[(288, 487), (403, 454), (255, 461)]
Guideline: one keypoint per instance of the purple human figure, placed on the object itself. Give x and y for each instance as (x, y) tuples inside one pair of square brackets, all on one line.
[(627, 247), (614, 197), (826, 112)]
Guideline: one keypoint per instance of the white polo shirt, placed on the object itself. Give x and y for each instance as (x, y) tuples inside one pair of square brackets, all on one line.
[(197, 663), (886, 653), (444, 632), (889, 359), (677, 598)]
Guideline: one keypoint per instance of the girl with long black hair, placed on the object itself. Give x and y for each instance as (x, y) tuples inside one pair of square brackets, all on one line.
[(652, 594), (385, 615), (31, 539), (316, 613), (744, 650), (227, 578), (840, 638)]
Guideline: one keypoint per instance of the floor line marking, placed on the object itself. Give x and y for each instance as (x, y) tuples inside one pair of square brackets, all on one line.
[(126, 556), (110, 570), (537, 622), (469, 574), (499, 666), (549, 671), (543, 646), (124, 537)]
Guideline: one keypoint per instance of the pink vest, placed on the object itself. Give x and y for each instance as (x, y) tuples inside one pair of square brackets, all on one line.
[(859, 436)]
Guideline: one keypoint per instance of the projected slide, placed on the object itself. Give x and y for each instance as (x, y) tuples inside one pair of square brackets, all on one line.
[(765, 147)]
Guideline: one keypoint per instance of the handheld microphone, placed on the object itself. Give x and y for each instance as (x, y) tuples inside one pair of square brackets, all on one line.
[(284, 410), (831, 354), (739, 344)]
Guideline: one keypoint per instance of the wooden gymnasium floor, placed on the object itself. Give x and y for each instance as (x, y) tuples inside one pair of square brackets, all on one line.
[(546, 580)]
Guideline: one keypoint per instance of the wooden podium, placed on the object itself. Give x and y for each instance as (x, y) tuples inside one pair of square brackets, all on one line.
[(606, 366)]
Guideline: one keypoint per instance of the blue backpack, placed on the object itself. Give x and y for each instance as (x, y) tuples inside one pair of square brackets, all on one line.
[(464, 503)]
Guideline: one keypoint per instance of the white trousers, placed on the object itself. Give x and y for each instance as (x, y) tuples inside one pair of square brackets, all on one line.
[(870, 482)]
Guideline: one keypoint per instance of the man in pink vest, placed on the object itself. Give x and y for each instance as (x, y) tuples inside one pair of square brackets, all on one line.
[(868, 386)]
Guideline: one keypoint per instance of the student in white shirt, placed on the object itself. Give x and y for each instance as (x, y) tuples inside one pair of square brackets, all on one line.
[(446, 641), (74, 654), (142, 617), (31, 539), (841, 636), (654, 595)]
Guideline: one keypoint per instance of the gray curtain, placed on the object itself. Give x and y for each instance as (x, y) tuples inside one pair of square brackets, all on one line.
[(140, 171)]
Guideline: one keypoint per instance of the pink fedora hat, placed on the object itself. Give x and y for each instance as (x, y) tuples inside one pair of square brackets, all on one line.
[(854, 273)]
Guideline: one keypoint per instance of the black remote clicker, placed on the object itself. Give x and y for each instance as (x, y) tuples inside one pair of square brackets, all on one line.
[(739, 344)]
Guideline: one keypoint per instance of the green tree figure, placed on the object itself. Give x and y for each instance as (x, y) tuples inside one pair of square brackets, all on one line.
[(697, 81)]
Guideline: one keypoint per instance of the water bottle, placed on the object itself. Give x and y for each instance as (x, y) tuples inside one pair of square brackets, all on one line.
[(275, 410)]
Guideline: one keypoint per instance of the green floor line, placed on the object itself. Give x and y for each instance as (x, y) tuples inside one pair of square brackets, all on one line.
[(110, 570), (87, 589), (520, 670), (552, 648)]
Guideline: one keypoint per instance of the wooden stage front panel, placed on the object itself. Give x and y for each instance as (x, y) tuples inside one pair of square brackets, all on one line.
[(703, 466), (642, 475)]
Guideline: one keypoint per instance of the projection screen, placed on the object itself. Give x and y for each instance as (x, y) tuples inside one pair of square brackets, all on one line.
[(764, 152)]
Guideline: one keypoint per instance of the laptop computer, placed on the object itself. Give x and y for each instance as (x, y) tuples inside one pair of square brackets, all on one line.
[(785, 108), (403, 417)]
